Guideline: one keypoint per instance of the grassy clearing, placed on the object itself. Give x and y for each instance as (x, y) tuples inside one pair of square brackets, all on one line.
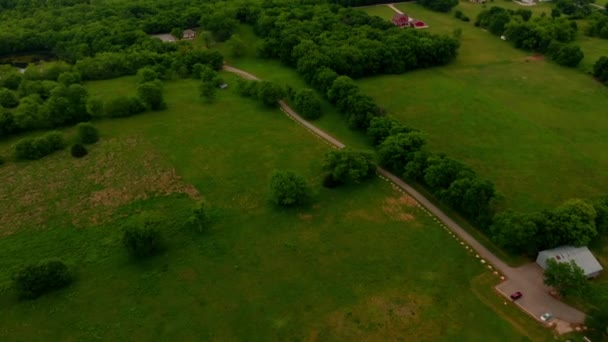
[(510, 116), (359, 261)]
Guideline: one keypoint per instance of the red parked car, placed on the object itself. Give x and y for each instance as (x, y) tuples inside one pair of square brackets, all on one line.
[(516, 295)]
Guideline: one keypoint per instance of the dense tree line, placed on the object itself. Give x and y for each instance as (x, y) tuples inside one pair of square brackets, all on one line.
[(575, 9), (346, 40), (549, 35), (576, 222)]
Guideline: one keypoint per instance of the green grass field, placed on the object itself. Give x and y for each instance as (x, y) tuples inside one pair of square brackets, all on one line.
[(533, 127), (359, 261)]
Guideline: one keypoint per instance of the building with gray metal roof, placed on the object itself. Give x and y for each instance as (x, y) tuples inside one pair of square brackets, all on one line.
[(581, 256)]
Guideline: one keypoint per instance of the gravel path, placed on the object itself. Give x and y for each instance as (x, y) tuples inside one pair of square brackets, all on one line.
[(527, 278)]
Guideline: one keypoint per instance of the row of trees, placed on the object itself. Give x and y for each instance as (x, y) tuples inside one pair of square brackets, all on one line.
[(36, 148), (269, 93), (552, 36), (576, 222)]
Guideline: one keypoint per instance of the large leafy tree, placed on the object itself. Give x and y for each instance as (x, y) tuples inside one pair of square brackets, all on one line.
[(566, 277), (349, 166), (288, 188), (396, 150)]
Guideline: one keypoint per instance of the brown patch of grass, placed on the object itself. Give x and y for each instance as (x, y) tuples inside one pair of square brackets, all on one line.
[(85, 191), (382, 317), (396, 207), (305, 217), (187, 274)]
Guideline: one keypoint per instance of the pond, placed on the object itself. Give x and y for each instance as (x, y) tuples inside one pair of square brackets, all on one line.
[(21, 61)]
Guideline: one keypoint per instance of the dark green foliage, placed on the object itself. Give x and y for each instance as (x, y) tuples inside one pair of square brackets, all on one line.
[(32, 281), (601, 219), (600, 69), (247, 88), (36, 148), (176, 32), (221, 22), (415, 167), (124, 106), (237, 46), (288, 189), (207, 91), (458, 14), (516, 232), (442, 171), (576, 9), (147, 74), (67, 105), (397, 150), (598, 26), (95, 107), (143, 240), (556, 13), (566, 277), (494, 19), (8, 98), (324, 78), (597, 320), (472, 197), (568, 55), (381, 127), (270, 93), (7, 123), (572, 223), (11, 80), (151, 95), (68, 78), (78, 151), (439, 5), (87, 133), (200, 217), (349, 166), (538, 33), (308, 104)]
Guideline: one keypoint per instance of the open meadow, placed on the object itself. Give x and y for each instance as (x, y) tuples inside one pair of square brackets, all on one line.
[(360, 260), (534, 128)]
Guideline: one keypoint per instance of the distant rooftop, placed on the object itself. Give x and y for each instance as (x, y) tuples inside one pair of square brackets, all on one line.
[(582, 256)]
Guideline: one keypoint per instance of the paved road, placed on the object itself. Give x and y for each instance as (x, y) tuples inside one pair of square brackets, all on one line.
[(527, 278)]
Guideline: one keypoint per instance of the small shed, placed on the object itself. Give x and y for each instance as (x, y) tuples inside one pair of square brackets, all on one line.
[(189, 34), (581, 256), (400, 19)]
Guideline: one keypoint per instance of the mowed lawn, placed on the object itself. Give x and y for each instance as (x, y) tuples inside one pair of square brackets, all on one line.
[(536, 129), (358, 262)]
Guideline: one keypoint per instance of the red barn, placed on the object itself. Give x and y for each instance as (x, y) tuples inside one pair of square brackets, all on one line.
[(400, 19)]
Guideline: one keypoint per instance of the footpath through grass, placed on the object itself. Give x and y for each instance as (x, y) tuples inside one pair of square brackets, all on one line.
[(359, 261)]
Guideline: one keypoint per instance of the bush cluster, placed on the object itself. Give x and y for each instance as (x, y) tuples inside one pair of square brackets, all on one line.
[(600, 69), (36, 148), (268, 93), (87, 133), (553, 36), (142, 240), (32, 281)]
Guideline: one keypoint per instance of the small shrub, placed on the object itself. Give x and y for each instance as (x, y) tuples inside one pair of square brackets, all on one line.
[(142, 241), (87, 133), (124, 106), (95, 107), (55, 141), (33, 281), (78, 151), (68, 78)]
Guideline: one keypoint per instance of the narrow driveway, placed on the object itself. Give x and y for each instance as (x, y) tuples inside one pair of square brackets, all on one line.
[(527, 278)]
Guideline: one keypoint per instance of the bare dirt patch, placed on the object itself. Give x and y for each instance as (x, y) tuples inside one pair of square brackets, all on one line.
[(85, 191), (534, 58)]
